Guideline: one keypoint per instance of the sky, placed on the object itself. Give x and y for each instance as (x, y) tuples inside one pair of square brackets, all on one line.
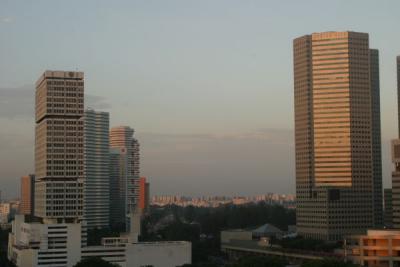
[(207, 85)]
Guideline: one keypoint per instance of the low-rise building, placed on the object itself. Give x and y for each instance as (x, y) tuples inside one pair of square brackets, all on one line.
[(36, 244), (379, 248)]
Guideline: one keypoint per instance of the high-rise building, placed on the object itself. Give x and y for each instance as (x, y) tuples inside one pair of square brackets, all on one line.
[(388, 208), (118, 170), (398, 91), (27, 195), (96, 208), (122, 142), (396, 161), (337, 135), (59, 146)]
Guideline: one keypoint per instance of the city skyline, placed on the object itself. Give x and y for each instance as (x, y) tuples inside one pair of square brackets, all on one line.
[(221, 122)]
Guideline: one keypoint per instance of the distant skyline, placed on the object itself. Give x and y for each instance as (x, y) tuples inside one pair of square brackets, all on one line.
[(207, 85)]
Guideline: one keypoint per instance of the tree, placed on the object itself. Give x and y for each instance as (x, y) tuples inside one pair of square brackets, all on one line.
[(260, 261), (95, 262)]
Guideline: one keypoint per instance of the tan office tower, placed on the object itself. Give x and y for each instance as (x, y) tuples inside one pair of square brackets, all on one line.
[(338, 166), (59, 146), (26, 206), (122, 142)]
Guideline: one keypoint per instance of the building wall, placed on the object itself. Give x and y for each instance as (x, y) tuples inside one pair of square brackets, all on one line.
[(97, 159), (376, 138), (396, 183), (118, 170), (337, 135), (388, 208)]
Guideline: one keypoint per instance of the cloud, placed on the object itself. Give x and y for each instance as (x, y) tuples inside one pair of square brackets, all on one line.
[(19, 102)]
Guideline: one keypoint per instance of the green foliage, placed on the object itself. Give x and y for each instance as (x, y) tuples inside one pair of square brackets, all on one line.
[(94, 262), (191, 222), (327, 263)]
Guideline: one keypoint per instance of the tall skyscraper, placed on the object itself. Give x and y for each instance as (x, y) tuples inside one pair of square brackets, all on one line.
[(124, 176), (96, 209), (396, 161), (337, 135), (59, 146), (398, 91), (27, 195)]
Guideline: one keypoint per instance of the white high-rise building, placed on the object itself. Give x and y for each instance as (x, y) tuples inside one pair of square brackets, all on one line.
[(59, 146), (96, 208)]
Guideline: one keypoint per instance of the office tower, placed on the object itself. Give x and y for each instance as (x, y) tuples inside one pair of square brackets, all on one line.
[(118, 170), (96, 210), (144, 195), (388, 208), (398, 91), (122, 142), (59, 146), (338, 168), (376, 138), (27, 195), (396, 161)]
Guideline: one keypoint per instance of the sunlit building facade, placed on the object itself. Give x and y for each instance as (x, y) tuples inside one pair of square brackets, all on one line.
[(337, 135)]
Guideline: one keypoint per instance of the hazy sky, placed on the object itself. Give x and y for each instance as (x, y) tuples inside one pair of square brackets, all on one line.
[(206, 84)]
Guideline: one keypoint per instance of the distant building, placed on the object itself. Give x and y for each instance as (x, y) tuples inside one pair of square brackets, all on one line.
[(122, 140), (5, 213), (337, 135), (27, 205), (144, 194), (388, 208), (96, 210)]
